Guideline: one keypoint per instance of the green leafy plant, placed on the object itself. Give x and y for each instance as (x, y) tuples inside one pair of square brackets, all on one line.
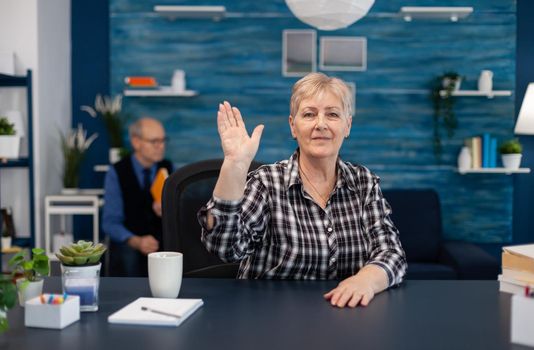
[(8, 297), (444, 116), (110, 110), (511, 147), (81, 253), (6, 128), (31, 269), (74, 145)]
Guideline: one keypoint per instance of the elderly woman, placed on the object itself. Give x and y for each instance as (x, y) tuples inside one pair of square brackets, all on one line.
[(312, 216)]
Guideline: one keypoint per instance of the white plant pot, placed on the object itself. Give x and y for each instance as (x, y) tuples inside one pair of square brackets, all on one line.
[(114, 155), (9, 147), (6, 242), (32, 290), (511, 161)]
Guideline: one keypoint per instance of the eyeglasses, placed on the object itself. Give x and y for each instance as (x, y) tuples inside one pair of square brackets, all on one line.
[(156, 142)]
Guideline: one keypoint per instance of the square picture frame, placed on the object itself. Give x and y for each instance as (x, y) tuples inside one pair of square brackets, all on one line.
[(340, 53), (299, 52)]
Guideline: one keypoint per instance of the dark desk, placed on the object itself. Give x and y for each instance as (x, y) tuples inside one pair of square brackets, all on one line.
[(288, 315)]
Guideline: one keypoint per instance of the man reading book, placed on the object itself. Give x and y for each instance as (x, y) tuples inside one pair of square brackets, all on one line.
[(131, 217)]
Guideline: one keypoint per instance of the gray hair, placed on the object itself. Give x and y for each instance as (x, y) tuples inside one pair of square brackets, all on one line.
[(136, 129), (315, 84)]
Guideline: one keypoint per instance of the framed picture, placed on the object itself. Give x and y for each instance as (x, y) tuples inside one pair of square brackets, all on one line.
[(343, 53), (299, 52)]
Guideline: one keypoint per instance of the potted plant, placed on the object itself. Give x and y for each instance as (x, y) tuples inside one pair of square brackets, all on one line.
[(74, 145), (80, 271), (511, 154), (8, 296), (443, 102), (32, 270), (9, 141), (110, 110)]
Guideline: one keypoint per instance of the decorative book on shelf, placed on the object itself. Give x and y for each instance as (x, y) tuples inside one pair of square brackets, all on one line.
[(141, 82), (483, 151)]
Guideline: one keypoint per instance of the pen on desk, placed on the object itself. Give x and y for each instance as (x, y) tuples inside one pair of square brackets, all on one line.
[(145, 308)]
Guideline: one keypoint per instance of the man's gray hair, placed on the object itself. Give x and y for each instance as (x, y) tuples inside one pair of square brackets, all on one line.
[(136, 129)]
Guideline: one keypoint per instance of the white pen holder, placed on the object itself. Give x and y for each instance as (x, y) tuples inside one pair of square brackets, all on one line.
[(522, 320), (54, 316)]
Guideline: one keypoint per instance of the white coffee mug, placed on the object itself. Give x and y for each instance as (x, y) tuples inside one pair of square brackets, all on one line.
[(165, 274)]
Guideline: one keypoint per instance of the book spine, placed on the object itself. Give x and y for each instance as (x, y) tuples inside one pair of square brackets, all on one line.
[(486, 150), (493, 152)]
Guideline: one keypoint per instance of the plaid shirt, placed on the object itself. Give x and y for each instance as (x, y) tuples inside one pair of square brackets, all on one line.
[(277, 231)]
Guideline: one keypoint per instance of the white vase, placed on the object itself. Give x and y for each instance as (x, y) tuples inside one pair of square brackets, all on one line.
[(464, 159), (485, 81), (114, 155), (9, 146), (6, 243), (70, 191), (511, 161), (32, 290)]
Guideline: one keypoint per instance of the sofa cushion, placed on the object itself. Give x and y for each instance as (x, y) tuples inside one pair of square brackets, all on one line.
[(417, 216)]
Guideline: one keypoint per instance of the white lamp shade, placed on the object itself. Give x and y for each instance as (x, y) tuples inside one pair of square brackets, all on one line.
[(15, 117), (329, 14), (525, 121)]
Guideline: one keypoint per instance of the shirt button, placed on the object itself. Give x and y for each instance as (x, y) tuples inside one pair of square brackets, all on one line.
[(329, 229), (333, 260)]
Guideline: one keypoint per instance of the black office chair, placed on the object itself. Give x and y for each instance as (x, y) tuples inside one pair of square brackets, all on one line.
[(185, 191)]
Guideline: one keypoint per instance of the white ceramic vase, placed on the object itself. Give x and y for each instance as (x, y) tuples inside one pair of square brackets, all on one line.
[(9, 146), (6, 242), (114, 155), (511, 161), (32, 290), (464, 159), (485, 81)]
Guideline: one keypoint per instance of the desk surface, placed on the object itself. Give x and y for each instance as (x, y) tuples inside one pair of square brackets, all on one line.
[(252, 314)]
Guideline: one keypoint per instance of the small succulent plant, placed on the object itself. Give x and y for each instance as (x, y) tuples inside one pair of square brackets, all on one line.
[(81, 253)]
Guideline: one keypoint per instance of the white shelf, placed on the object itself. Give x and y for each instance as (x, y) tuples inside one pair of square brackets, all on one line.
[(428, 12), (478, 93), (163, 91), (172, 12), (101, 168), (494, 171)]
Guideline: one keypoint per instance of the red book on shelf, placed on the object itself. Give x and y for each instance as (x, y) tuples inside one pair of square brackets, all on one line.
[(139, 81)]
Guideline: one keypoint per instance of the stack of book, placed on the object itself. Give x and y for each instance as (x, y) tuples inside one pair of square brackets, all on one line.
[(517, 269), (141, 82), (483, 151)]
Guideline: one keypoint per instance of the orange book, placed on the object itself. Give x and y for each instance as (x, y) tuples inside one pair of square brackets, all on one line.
[(157, 186), (141, 81)]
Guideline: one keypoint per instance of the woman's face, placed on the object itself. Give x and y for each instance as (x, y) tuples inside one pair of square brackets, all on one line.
[(320, 126)]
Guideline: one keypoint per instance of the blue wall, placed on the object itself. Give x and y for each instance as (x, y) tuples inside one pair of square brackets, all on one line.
[(392, 131), (239, 59)]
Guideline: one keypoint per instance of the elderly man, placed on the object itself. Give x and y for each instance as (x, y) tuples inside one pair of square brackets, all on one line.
[(131, 218)]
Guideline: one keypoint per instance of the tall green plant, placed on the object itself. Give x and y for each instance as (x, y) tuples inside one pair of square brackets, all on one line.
[(74, 145), (110, 110), (8, 297), (443, 102)]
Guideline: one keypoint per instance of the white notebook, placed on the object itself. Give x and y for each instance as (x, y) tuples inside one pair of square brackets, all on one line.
[(158, 311)]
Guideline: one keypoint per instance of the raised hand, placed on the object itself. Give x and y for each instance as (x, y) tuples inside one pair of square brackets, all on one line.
[(237, 146)]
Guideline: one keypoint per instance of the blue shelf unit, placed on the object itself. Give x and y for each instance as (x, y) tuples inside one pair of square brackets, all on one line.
[(9, 81)]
